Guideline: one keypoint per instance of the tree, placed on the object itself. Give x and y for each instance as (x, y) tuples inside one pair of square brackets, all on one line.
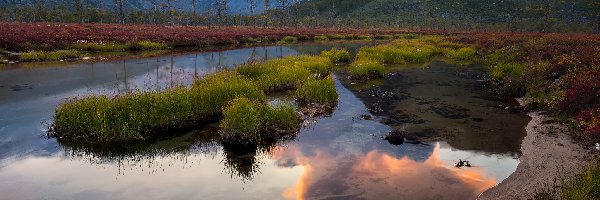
[(120, 7), (266, 10), (194, 12)]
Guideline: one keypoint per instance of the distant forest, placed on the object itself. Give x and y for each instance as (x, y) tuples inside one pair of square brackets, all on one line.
[(448, 15)]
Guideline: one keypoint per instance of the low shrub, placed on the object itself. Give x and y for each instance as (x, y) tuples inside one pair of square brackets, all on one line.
[(336, 55), (366, 69), (318, 91), (51, 56)]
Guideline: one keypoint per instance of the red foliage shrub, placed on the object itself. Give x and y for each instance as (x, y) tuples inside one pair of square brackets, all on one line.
[(590, 120), (50, 36)]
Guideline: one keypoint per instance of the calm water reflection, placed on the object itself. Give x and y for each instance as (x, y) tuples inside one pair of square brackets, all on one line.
[(338, 157)]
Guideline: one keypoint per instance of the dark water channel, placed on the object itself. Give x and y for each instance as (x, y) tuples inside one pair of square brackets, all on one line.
[(340, 156)]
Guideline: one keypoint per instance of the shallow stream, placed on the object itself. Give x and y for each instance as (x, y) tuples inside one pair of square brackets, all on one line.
[(340, 156)]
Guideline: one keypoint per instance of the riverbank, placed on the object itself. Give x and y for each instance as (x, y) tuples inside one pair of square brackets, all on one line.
[(549, 154)]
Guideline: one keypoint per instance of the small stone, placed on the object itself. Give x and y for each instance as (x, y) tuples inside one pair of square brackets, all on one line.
[(395, 137)]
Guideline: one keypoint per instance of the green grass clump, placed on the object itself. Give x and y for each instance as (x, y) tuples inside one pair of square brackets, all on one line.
[(336, 55), (464, 53), (134, 116), (318, 91), (114, 47), (249, 121), (585, 186), (145, 46), (409, 36), (288, 40), (282, 117), (241, 118), (339, 36), (99, 47), (366, 69), (384, 54), (236, 96), (364, 37), (2, 57), (507, 70), (51, 56), (214, 91), (321, 37), (285, 74)]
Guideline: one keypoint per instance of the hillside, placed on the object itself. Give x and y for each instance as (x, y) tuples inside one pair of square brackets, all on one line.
[(546, 14), (234, 6)]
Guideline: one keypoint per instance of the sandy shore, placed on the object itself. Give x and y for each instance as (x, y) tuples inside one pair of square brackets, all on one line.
[(547, 150)]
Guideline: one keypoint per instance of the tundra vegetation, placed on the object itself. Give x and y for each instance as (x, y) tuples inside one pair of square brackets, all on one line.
[(553, 72), (235, 97)]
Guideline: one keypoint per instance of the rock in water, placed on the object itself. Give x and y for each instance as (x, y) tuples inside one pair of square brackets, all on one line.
[(395, 137)]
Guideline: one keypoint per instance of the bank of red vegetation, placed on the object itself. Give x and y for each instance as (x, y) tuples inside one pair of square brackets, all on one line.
[(51, 36), (559, 72)]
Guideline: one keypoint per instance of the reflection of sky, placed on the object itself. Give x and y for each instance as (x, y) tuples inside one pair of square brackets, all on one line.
[(337, 157)]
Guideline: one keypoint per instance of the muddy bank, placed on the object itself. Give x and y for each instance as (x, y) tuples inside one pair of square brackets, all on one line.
[(444, 102), (546, 151)]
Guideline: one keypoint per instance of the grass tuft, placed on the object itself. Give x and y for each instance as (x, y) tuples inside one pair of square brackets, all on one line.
[(337, 55), (464, 53), (321, 37), (288, 40), (366, 69), (507, 70), (51, 56), (285, 74), (214, 91), (248, 121), (318, 91)]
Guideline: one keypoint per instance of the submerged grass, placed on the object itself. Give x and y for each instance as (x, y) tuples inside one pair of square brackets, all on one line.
[(337, 55)]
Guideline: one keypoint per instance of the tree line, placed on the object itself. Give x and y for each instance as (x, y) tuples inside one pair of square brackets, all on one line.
[(542, 15)]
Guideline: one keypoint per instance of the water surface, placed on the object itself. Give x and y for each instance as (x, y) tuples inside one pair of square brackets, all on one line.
[(338, 157)]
